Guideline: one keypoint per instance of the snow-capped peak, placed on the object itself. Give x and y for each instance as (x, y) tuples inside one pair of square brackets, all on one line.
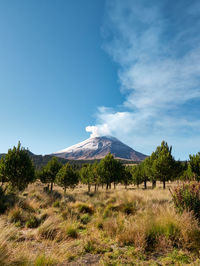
[(97, 148)]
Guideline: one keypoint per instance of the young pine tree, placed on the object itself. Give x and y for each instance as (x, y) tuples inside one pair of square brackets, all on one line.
[(86, 175), (67, 177), (49, 172), (110, 170), (17, 168), (164, 166)]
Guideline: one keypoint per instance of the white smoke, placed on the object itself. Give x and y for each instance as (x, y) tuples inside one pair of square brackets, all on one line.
[(98, 130), (93, 130)]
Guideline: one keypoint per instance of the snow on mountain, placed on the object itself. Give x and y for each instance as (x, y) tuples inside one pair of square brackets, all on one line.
[(97, 148)]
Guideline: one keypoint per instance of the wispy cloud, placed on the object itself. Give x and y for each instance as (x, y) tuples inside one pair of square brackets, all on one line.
[(157, 47)]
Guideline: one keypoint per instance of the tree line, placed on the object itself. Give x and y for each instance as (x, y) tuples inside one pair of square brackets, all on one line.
[(17, 171)]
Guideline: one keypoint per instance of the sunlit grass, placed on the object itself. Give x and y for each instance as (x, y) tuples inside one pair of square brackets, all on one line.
[(114, 227)]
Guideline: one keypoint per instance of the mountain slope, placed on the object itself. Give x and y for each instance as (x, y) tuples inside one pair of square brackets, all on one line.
[(97, 148)]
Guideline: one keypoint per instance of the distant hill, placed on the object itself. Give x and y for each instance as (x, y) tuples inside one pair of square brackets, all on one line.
[(41, 160)]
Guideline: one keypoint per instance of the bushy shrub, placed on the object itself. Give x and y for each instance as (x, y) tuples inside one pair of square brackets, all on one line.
[(25, 205), (72, 231), (16, 215), (84, 208), (48, 230), (94, 245), (89, 246), (187, 197), (42, 260), (56, 204), (85, 218), (100, 225), (70, 213), (65, 214), (168, 230), (43, 217), (33, 222), (128, 208), (177, 257), (110, 210)]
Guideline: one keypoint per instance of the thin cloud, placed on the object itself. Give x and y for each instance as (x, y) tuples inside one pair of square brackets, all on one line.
[(158, 56)]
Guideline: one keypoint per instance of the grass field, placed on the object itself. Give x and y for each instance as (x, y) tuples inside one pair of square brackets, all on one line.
[(115, 227)]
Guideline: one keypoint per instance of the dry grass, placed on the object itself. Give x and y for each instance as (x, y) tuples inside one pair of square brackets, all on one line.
[(115, 227)]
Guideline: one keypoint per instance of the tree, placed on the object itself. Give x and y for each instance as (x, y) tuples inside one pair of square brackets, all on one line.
[(127, 176), (17, 168), (67, 177), (119, 172), (95, 179), (49, 172), (43, 176), (86, 176), (148, 168), (164, 165), (194, 166), (3, 178), (137, 174), (144, 172), (187, 173), (179, 170), (110, 170)]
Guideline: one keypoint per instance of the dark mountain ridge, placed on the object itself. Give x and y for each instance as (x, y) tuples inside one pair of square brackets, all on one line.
[(89, 151)]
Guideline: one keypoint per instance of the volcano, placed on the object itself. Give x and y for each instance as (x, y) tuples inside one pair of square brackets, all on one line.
[(98, 148)]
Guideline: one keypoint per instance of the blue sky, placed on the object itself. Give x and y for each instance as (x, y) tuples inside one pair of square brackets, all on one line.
[(124, 68)]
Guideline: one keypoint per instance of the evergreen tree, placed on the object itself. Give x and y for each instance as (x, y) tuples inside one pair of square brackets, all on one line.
[(148, 168), (86, 175), (127, 176), (110, 170), (164, 165), (187, 173), (42, 175), (137, 174), (49, 172), (17, 168), (194, 166), (67, 177), (144, 173), (3, 178), (95, 175)]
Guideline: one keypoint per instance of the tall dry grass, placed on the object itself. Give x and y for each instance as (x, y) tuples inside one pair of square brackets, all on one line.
[(114, 227)]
